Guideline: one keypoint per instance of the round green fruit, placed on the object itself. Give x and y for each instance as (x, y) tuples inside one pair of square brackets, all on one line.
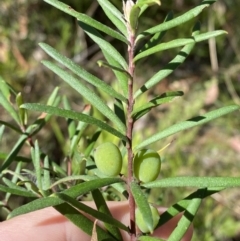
[(147, 165), (108, 159), (141, 223)]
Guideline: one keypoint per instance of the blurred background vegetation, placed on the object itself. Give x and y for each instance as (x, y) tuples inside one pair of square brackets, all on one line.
[(210, 78)]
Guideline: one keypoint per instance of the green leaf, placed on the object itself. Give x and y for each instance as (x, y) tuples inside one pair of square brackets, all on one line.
[(5, 88), (14, 152), (91, 143), (87, 20), (182, 205), (106, 218), (178, 43), (35, 153), (186, 220), (2, 128), (103, 44), (157, 36), (105, 64), (176, 21), (200, 182), (12, 183), (75, 116), (76, 69), (114, 15), (149, 238), (119, 110), (86, 93), (53, 100), (21, 112), (79, 131), (121, 76), (102, 207), (53, 97), (199, 120), (143, 205), (171, 66), (17, 158), (140, 3), (73, 178), (164, 98), (134, 15), (17, 191), (8, 107), (73, 192), (11, 126), (81, 221), (46, 174)]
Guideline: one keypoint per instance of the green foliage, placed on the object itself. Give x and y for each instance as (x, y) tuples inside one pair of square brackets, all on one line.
[(108, 111)]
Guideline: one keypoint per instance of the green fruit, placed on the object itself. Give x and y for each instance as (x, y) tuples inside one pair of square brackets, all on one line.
[(147, 165), (108, 159), (141, 223)]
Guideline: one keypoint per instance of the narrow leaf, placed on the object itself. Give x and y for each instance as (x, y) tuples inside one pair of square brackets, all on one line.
[(82, 73), (9, 108), (171, 66), (81, 221), (176, 21), (73, 115), (149, 238), (186, 220), (164, 98), (140, 3), (2, 128), (143, 205), (46, 174), (5, 89), (14, 152), (36, 163), (73, 192), (134, 15), (182, 205), (103, 44), (114, 15), (105, 64), (119, 110), (17, 191), (178, 43), (121, 76), (102, 207), (90, 211), (73, 178), (91, 143), (86, 93), (13, 181), (11, 126), (79, 130), (86, 19), (200, 182), (157, 36), (199, 120)]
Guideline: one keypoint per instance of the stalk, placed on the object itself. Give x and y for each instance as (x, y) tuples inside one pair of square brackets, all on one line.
[(131, 68)]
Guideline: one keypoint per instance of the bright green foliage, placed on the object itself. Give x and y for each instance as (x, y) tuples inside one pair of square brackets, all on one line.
[(110, 108), (147, 165), (108, 159), (140, 219)]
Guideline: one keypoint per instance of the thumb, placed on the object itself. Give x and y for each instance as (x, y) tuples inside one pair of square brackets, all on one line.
[(48, 223)]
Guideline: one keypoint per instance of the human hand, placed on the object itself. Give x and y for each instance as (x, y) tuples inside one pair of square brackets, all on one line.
[(48, 224)]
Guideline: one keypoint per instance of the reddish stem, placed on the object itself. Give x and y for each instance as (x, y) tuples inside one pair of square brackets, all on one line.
[(130, 105)]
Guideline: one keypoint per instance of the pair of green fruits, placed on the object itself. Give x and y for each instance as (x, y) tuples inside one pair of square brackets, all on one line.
[(146, 164)]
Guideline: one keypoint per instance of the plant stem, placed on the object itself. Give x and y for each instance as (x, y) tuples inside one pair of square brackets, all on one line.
[(131, 68)]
